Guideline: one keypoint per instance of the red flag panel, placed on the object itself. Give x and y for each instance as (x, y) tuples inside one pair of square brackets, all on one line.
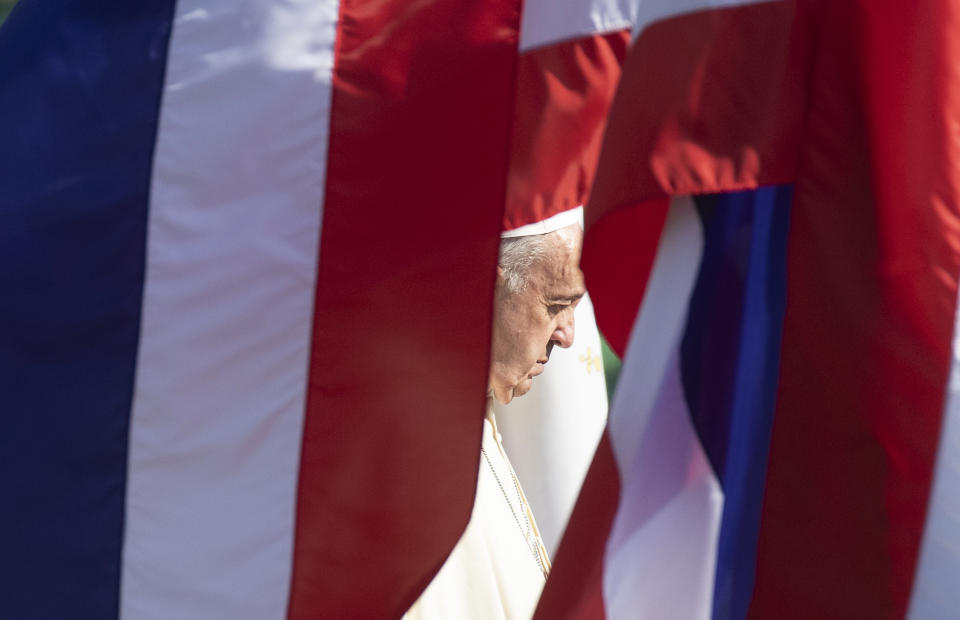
[(420, 121)]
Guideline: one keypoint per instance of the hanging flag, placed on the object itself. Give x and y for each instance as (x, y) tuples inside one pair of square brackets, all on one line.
[(783, 440), (247, 256)]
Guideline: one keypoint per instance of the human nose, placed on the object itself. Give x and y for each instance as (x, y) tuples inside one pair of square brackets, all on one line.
[(564, 331)]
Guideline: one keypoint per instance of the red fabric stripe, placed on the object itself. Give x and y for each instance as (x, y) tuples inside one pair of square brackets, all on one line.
[(564, 93), (421, 109), (607, 266), (677, 128), (873, 266), (575, 588)]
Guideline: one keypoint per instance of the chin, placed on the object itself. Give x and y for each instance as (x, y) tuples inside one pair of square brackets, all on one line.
[(504, 396), (523, 387)]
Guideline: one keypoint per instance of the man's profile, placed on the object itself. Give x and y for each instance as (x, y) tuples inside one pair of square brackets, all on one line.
[(539, 283), (499, 566)]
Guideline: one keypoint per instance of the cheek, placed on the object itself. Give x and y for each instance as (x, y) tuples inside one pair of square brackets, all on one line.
[(535, 343), (521, 334)]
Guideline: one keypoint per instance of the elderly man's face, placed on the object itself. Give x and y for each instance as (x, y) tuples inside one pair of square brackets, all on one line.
[(528, 323)]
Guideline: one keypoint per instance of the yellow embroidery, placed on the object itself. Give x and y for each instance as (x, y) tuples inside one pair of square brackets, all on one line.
[(592, 360)]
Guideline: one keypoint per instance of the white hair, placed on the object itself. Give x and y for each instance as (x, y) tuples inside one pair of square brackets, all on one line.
[(519, 254)]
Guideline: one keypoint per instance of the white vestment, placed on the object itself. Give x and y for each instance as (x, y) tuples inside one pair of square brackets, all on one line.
[(498, 568)]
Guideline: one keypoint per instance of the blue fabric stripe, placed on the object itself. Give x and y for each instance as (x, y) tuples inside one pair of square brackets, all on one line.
[(730, 365), (80, 86)]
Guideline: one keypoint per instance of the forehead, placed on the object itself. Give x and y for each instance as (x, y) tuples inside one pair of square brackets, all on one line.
[(558, 270)]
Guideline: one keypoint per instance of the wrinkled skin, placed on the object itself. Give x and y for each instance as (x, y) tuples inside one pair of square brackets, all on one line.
[(527, 324)]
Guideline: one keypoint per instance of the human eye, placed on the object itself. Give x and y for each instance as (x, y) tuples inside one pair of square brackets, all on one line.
[(554, 309)]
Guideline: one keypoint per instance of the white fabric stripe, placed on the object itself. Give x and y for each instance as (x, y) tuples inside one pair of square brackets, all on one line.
[(935, 592), (546, 22), (231, 261), (661, 554), (551, 433)]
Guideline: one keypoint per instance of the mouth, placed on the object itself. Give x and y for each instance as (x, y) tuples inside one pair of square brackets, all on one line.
[(538, 368)]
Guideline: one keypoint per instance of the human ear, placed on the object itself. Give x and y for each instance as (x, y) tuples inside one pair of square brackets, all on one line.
[(501, 278)]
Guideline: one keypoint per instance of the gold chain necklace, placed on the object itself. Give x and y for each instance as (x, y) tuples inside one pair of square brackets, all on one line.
[(528, 534)]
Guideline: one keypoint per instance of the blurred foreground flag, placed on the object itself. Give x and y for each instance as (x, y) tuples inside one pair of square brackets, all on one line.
[(785, 439), (247, 250)]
